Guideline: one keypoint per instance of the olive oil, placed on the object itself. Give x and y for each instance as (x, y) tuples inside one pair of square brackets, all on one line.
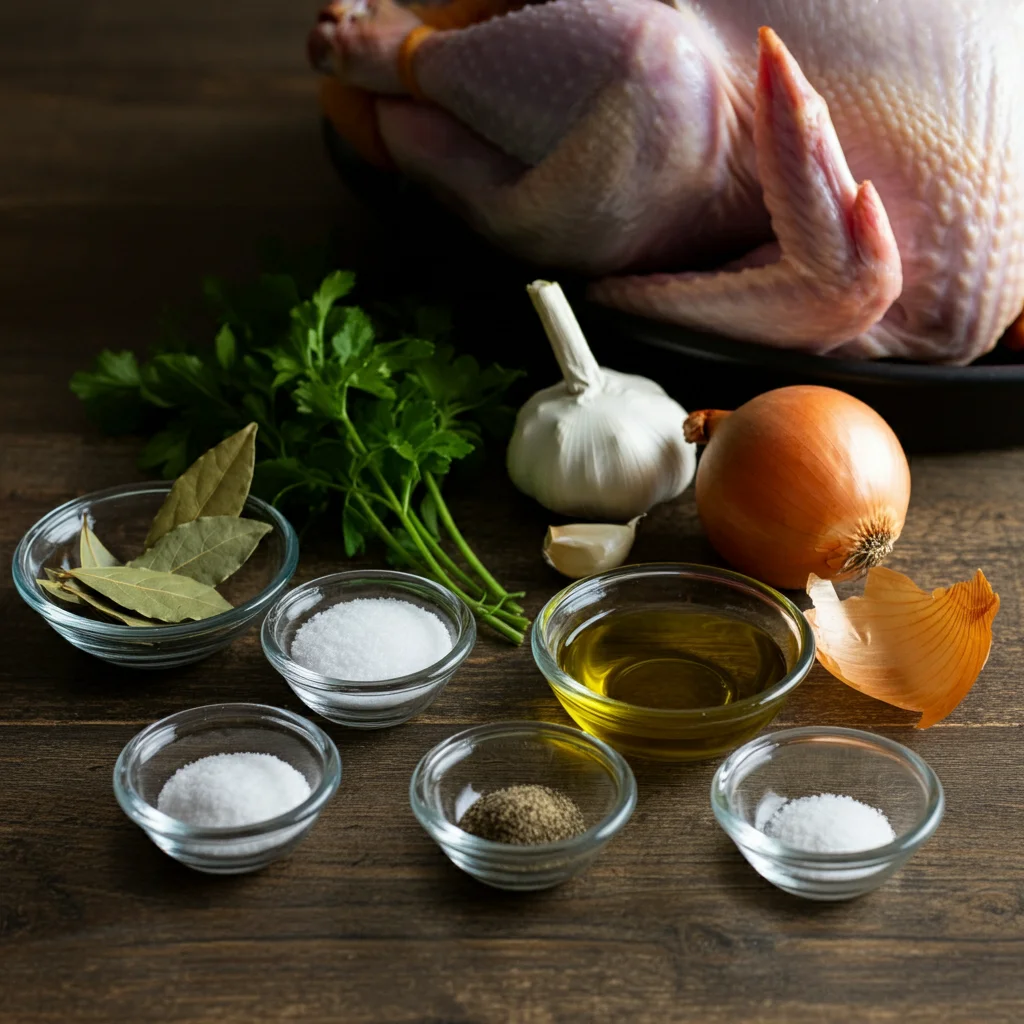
[(672, 657)]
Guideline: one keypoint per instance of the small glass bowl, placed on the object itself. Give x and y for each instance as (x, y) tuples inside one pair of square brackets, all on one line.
[(753, 782), (488, 757), (690, 734), (367, 704), (157, 752), (121, 517)]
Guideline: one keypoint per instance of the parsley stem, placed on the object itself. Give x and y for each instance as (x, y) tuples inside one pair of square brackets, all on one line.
[(442, 577), (460, 542), (442, 556), (504, 622), (382, 531), (492, 617), (515, 635), (509, 626), (435, 568)]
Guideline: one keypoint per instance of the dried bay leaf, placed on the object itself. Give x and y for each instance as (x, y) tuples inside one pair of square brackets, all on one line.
[(91, 550), (208, 549), (156, 595), (216, 484), (53, 587), (82, 595)]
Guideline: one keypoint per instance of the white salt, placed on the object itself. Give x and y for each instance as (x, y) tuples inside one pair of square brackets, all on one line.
[(827, 823), (370, 639), (229, 790)]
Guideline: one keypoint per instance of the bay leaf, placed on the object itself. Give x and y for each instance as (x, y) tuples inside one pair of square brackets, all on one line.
[(208, 549), (216, 484), (82, 595), (91, 550), (156, 595), (54, 588)]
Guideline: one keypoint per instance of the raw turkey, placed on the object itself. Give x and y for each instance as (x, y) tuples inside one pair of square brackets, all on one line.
[(838, 176)]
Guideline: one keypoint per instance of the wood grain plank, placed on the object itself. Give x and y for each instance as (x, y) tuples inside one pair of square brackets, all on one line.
[(368, 915)]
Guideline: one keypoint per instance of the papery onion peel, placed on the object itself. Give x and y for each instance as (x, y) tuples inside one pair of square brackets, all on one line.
[(902, 645)]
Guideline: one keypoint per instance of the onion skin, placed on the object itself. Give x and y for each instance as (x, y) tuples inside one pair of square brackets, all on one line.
[(898, 643), (800, 480)]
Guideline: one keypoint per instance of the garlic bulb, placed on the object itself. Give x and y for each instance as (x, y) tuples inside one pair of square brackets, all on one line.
[(583, 549), (599, 444)]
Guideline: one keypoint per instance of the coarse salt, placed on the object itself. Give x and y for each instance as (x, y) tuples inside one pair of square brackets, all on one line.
[(230, 790), (371, 639), (826, 823)]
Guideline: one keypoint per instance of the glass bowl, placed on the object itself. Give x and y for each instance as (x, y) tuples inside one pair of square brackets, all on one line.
[(121, 517), (753, 782), (367, 704), (671, 734), (488, 757), (157, 752)]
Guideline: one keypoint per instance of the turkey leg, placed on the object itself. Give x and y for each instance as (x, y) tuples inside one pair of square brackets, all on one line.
[(598, 135)]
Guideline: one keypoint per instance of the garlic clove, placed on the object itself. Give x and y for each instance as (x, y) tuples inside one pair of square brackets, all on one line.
[(583, 549)]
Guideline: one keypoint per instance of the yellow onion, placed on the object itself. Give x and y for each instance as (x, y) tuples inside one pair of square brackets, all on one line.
[(799, 481)]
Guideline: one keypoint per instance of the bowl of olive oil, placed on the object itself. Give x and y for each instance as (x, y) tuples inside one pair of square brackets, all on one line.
[(672, 661)]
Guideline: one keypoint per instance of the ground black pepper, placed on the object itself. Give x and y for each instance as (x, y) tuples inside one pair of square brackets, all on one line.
[(523, 816)]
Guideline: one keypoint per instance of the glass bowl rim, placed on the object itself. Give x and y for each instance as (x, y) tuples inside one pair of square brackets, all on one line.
[(448, 834), (558, 679), (146, 815), (56, 615), (434, 672), (749, 838)]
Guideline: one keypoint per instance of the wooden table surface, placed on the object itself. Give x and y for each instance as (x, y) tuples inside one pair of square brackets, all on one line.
[(146, 145)]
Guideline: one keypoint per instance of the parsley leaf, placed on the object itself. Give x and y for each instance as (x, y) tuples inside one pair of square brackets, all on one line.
[(356, 411)]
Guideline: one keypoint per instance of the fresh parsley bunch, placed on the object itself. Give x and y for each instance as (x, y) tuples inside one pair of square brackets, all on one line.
[(350, 406)]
